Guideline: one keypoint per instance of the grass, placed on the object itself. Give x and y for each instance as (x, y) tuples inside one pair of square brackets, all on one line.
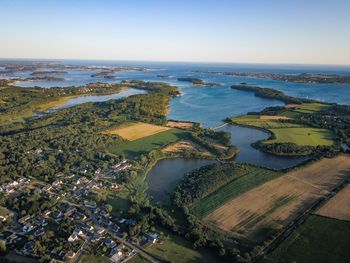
[(245, 180), (179, 250), (318, 240), (134, 131), (147, 144), (302, 136), (119, 202), (93, 259), (291, 132), (138, 259), (311, 107), (256, 121)]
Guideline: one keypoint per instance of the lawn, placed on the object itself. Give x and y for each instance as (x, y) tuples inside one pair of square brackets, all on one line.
[(138, 259), (147, 144), (93, 259), (179, 250), (246, 179), (302, 136), (134, 131), (318, 240)]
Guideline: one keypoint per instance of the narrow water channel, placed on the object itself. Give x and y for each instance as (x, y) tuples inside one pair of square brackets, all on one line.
[(243, 137)]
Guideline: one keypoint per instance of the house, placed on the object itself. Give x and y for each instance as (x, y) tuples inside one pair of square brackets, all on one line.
[(70, 211), (24, 219), (91, 205), (39, 232), (41, 222), (115, 228), (85, 227), (27, 228), (116, 253), (73, 237), (57, 215), (152, 237), (109, 243), (47, 187)]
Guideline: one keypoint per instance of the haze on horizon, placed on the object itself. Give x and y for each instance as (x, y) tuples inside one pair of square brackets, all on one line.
[(298, 31)]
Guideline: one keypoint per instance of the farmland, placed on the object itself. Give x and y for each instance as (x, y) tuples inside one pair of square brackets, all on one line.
[(338, 207), (134, 131), (246, 178), (144, 145), (318, 240), (257, 213)]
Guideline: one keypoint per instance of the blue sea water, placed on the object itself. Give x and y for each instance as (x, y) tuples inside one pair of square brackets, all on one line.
[(210, 105)]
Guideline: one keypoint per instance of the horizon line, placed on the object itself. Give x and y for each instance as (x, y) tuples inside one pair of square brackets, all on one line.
[(179, 61)]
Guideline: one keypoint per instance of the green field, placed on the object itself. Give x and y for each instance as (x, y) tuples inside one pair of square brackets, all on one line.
[(303, 136), (149, 143), (138, 259), (245, 180), (119, 202), (178, 250), (254, 120), (318, 240), (93, 259), (311, 107)]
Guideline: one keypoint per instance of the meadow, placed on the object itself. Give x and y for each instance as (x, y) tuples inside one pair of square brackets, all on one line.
[(178, 250), (302, 136), (318, 240), (286, 131), (144, 145)]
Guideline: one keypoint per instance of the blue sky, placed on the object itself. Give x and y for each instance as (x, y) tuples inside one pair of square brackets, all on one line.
[(252, 31)]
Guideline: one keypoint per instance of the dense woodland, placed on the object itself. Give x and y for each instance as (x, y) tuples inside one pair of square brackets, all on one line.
[(270, 94), (43, 146)]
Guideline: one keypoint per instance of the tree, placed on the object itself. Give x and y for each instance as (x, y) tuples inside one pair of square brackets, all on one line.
[(109, 208)]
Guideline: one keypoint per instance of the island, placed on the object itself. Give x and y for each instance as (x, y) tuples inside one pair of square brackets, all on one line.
[(301, 78), (104, 74), (52, 72), (198, 82)]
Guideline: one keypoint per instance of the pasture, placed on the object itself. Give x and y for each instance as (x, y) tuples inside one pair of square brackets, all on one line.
[(338, 207), (178, 250), (138, 130), (318, 240), (144, 145), (302, 136), (257, 213)]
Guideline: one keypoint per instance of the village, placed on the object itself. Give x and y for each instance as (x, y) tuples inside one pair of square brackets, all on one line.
[(69, 221)]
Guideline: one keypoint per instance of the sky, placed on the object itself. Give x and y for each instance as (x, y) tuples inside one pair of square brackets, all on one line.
[(241, 31)]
